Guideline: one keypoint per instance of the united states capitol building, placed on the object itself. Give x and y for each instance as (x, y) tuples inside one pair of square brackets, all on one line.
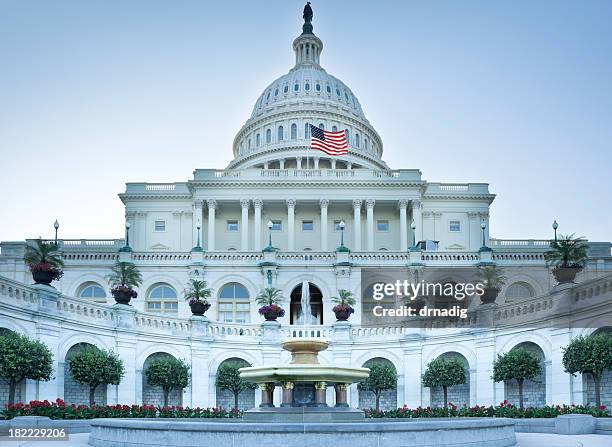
[(216, 226)]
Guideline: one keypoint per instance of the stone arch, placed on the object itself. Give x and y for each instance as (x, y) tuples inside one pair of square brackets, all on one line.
[(534, 391), (588, 385), (75, 393), (4, 384), (79, 281), (154, 395), (388, 399), (225, 398), (458, 394)]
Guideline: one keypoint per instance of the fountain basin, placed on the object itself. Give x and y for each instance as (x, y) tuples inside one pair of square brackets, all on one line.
[(304, 373)]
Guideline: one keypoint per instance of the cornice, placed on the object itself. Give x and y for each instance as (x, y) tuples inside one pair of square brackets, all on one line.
[(310, 183), (489, 197)]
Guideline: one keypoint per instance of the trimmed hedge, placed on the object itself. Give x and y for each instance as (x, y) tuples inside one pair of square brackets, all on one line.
[(59, 410), (503, 410)]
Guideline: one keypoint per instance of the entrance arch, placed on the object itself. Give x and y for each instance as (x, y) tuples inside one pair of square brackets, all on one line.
[(316, 304)]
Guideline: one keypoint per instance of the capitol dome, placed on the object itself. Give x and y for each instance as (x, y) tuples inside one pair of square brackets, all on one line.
[(277, 135)]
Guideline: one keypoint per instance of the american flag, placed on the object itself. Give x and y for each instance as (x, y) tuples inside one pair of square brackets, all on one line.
[(332, 143)]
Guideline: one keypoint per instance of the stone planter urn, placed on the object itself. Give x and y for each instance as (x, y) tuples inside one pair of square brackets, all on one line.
[(489, 296), (343, 312), (43, 277), (565, 275), (199, 307), (123, 295), (271, 312)]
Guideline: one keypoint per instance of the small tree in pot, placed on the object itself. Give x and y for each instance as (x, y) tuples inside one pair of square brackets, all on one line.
[(270, 298), (197, 292), (518, 364), (123, 279), (567, 256), (94, 367), (23, 358), (589, 355), (228, 378), (344, 304), (493, 279), (443, 372), (169, 373), (45, 262)]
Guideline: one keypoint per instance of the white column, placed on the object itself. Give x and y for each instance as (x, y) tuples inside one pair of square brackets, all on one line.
[(333, 163), (316, 162), (257, 204), (281, 163), (418, 220), (324, 203), (244, 204), (265, 165), (349, 165), (290, 224), (370, 223), (402, 204), (298, 163), (212, 206), (357, 224), (197, 220)]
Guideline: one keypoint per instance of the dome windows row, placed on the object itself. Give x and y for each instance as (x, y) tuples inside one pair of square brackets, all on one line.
[(307, 87), (283, 133)]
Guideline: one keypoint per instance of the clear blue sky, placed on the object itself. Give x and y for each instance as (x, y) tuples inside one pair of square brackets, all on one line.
[(94, 94)]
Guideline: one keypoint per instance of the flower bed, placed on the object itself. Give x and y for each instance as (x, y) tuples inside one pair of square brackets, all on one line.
[(503, 410), (59, 410)]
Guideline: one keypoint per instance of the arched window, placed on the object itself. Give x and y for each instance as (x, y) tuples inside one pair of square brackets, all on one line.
[(357, 140), (249, 144), (268, 136), (92, 290), (307, 86), (337, 92), (286, 89), (294, 131), (334, 128), (276, 92), (519, 290), (365, 143), (234, 306), (348, 135), (280, 134), (321, 126), (162, 298), (307, 130), (328, 89), (318, 87), (296, 87), (268, 96), (258, 140)]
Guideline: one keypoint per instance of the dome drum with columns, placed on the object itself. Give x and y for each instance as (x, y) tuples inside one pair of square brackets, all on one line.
[(215, 227)]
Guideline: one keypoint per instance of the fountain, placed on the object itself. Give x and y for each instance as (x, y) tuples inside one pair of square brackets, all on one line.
[(304, 383)]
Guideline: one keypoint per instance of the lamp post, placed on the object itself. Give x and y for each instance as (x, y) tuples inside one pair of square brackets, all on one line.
[(56, 226), (198, 247), (342, 248), (483, 225), (413, 227), (126, 247), (555, 225), (270, 226)]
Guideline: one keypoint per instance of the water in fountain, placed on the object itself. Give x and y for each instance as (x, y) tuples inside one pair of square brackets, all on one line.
[(305, 303)]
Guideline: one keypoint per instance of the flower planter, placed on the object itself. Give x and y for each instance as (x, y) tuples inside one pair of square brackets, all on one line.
[(271, 316), (489, 296), (123, 295), (199, 307), (565, 275), (43, 277), (343, 312), (272, 312)]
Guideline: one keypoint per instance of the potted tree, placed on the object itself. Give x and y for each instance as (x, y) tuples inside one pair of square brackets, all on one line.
[(493, 279), (517, 364), (198, 293), (169, 373), (568, 256), (269, 300), (344, 304), (444, 372), (123, 279), (383, 377), (45, 262)]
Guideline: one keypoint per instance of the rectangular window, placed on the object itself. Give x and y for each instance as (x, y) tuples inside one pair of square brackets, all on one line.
[(307, 225), (154, 306), (160, 225), (277, 225), (232, 225), (382, 225), (454, 226)]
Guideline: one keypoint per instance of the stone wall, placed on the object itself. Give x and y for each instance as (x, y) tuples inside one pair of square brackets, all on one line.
[(388, 400), (154, 395), (246, 399), (459, 394), (606, 389), (4, 392)]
